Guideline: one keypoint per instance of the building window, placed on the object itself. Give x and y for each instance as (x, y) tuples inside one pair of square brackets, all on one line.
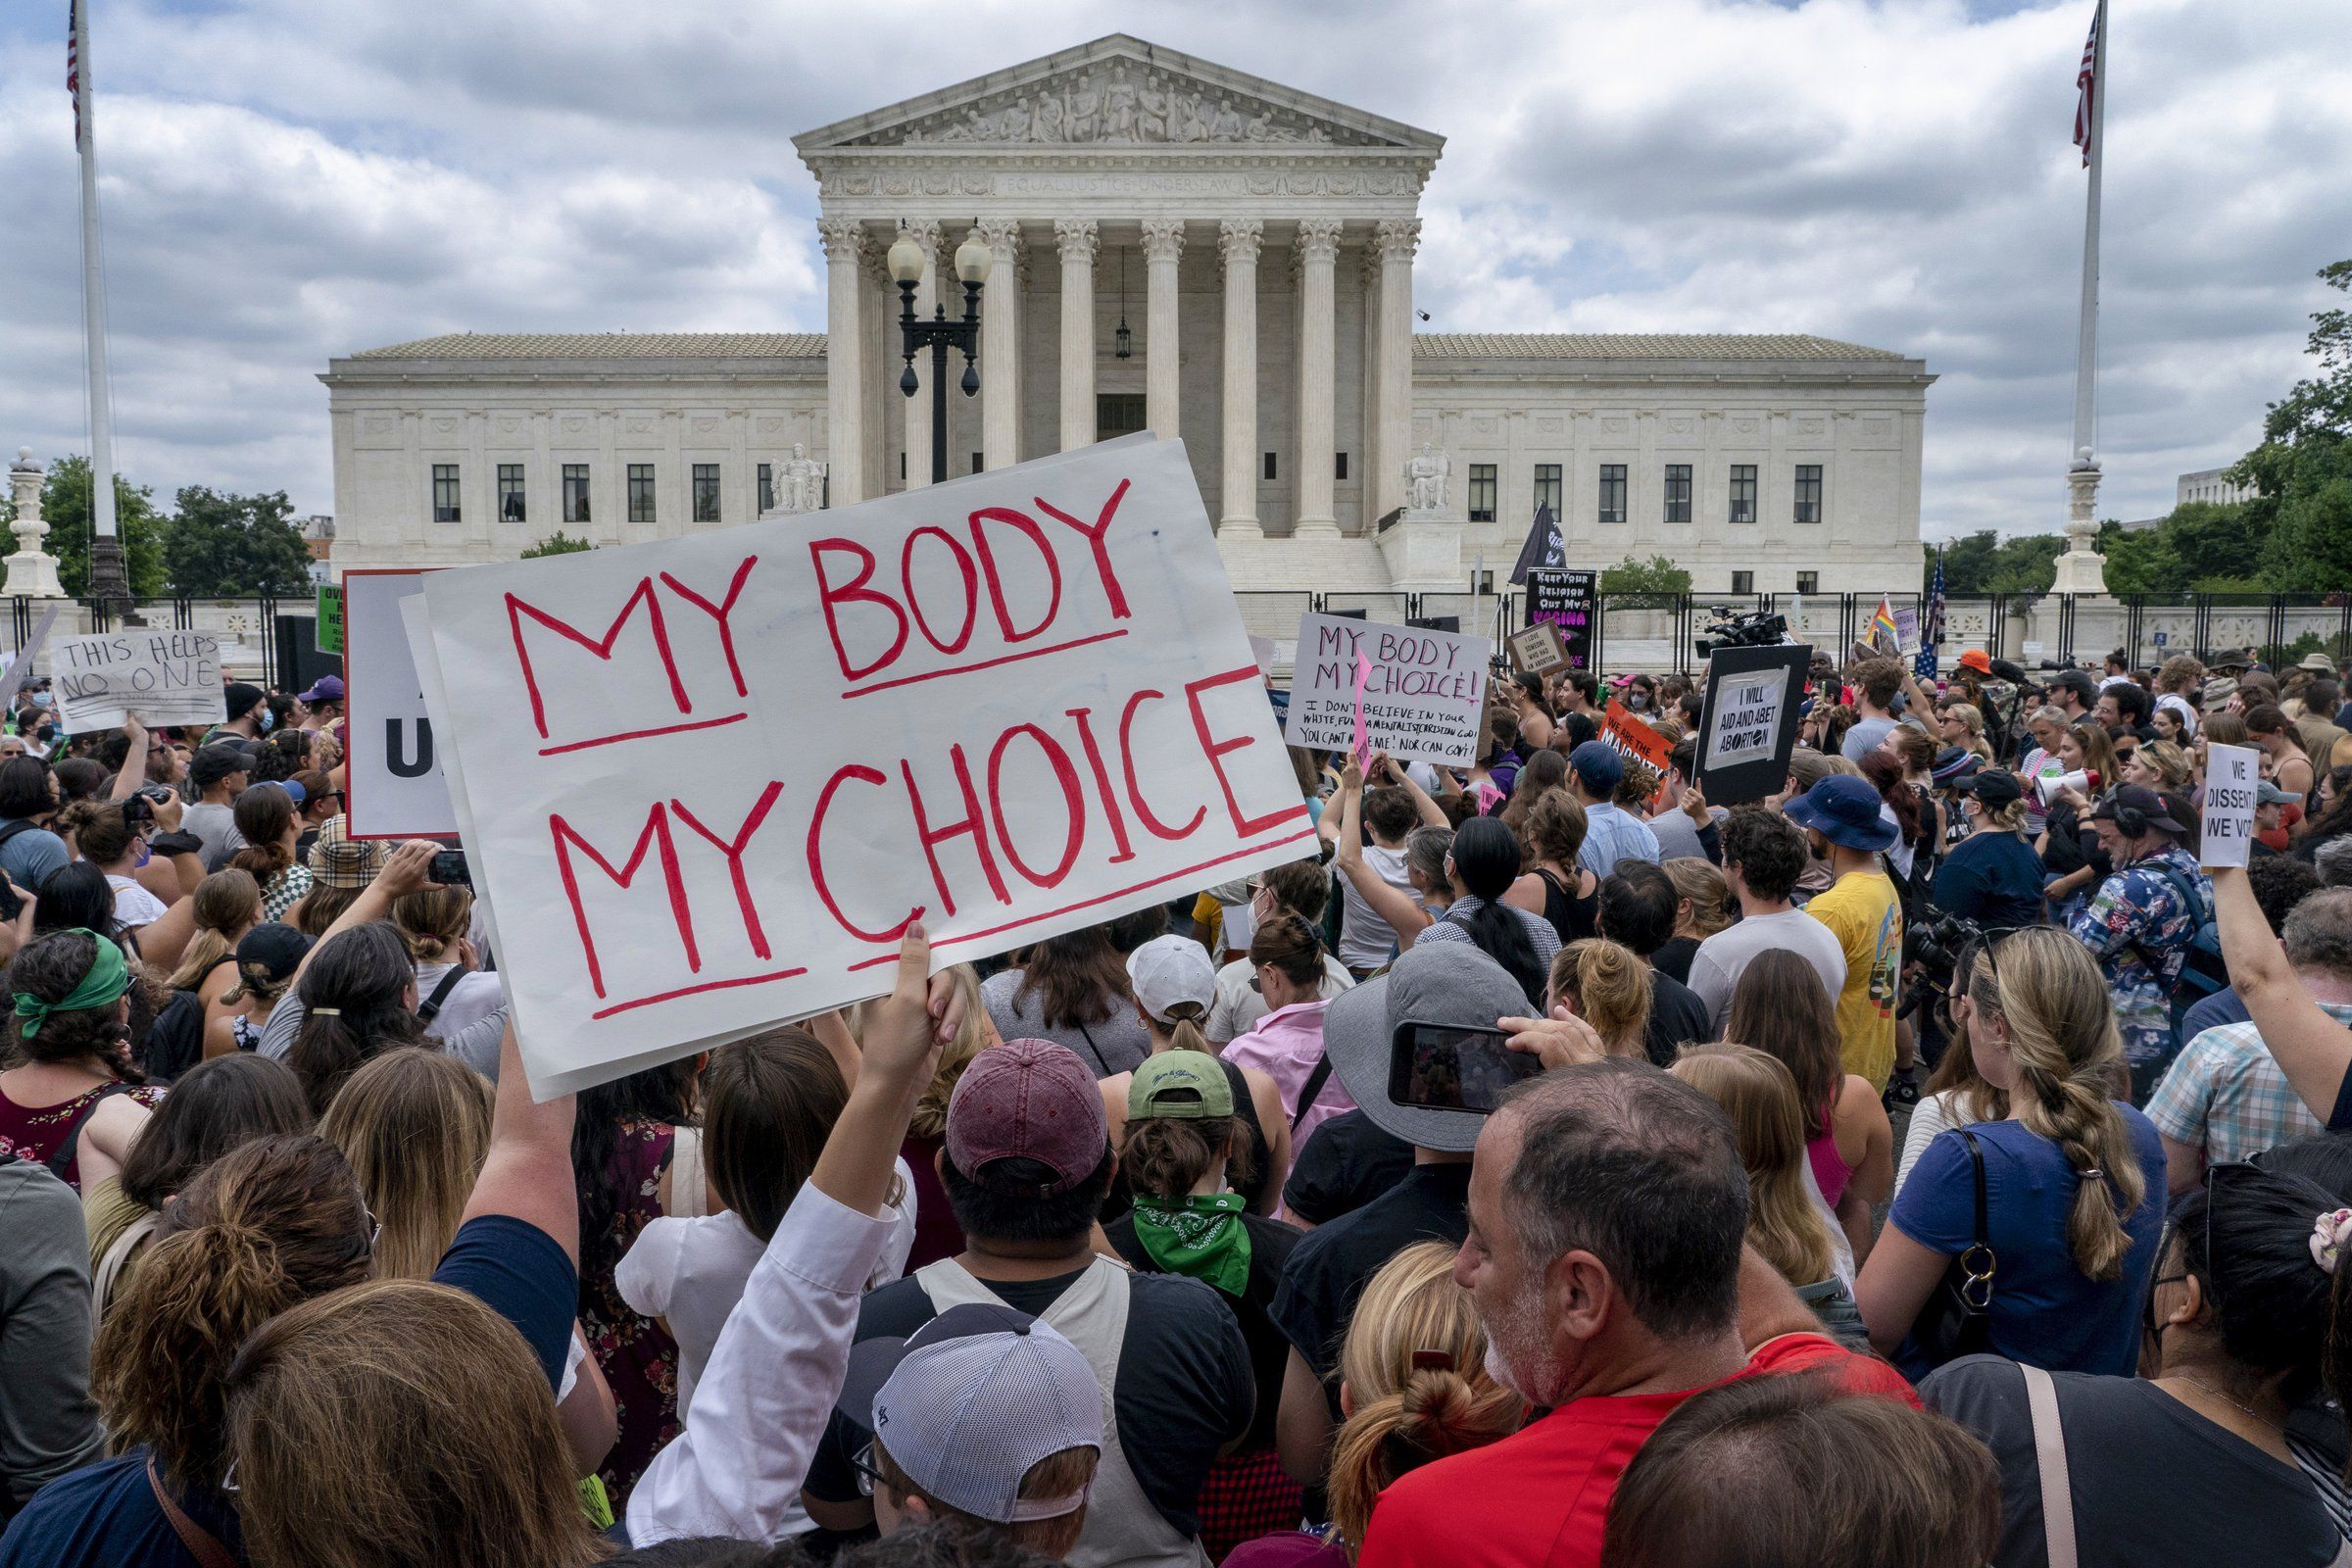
[(509, 492), (1269, 468), (1339, 465), (1808, 582), (575, 492), (767, 484), (705, 491), (1482, 492), (1678, 492), (975, 466), (445, 493), (1612, 492), (1548, 487), (1808, 492), (1743, 582), (1743, 492), (640, 492)]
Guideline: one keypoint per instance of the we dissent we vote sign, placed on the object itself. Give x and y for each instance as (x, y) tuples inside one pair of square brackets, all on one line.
[(705, 783)]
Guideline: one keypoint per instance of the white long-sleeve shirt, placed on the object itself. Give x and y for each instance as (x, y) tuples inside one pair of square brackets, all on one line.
[(735, 1470)]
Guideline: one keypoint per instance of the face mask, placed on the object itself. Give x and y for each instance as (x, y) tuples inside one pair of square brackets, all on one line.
[(45, 699), (268, 721), (1636, 701)]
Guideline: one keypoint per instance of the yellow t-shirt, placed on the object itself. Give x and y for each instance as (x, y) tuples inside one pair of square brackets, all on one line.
[(1862, 911)]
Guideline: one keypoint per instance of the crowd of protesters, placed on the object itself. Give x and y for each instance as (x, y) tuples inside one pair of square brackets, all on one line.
[(1927, 1164)]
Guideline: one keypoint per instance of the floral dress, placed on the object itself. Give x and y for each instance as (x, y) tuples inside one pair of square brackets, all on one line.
[(638, 1358), (36, 1133)]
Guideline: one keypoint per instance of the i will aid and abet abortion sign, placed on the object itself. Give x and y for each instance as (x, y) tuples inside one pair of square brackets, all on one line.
[(706, 782)]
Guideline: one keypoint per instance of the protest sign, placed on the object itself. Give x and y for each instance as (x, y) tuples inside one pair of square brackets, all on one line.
[(707, 783), (2232, 775), (327, 634), (1906, 629), (1540, 650), (20, 662), (1420, 695), (163, 677), (1569, 601), (396, 788), (1633, 737), (1747, 722)]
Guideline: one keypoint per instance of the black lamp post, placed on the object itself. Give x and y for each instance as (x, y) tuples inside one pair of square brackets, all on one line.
[(907, 262)]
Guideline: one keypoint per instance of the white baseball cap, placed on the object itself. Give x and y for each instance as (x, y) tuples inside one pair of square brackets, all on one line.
[(1166, 972)]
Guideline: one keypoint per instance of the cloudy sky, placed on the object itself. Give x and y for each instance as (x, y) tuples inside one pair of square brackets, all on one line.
[(287, 181)]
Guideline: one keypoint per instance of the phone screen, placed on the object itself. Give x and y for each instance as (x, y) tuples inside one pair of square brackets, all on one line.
[(1444, 1068), (448, 869)]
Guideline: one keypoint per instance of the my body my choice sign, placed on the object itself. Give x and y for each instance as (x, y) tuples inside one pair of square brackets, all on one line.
[(706, 782)]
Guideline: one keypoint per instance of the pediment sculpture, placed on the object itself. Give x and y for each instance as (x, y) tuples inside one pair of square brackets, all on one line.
[(1117, 105)]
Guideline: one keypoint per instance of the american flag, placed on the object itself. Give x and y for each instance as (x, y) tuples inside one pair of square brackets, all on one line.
[(74, 63), (1931, 627), (2087, 79)]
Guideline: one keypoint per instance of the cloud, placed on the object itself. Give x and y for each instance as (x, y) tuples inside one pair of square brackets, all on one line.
[(287, 180)]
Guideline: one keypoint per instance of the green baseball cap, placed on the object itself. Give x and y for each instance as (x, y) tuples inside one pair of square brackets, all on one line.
[(1189, 1085)]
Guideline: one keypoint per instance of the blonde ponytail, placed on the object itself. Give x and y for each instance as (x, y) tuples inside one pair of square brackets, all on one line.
[(1183, 1024), (1609, 989), (2063, 1039)]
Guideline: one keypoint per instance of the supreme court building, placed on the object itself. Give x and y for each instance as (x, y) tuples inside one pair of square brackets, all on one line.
[(1180, 247)]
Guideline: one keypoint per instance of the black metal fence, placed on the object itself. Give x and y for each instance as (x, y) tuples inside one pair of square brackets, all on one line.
[(253, 623)]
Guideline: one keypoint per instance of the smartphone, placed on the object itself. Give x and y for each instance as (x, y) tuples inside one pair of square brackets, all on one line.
[(449, 867), (1448, 1067)]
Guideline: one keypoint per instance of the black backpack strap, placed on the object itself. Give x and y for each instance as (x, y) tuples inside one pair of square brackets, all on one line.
[(1314, 1086), (72, 1143), (431, 1009), (11, 829)]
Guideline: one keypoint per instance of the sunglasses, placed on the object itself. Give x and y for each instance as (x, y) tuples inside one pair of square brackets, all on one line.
[(868, 1477), (2213, 1197)]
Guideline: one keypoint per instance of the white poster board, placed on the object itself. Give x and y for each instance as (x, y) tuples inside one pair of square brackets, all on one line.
[(1420, 695), (1746, 720), (396, 788), (2227, 818), (706, 782), (164, 678)]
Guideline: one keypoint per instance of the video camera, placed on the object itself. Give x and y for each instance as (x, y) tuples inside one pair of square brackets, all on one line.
[(1934, 945), (1755, 628)]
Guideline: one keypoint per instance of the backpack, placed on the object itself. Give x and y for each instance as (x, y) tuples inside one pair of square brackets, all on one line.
[(174, 1040), (2202, 972)]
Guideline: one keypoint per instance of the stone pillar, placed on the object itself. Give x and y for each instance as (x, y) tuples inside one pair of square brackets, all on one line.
[(1237, 242), (924, 231), (1000, 344), (881, 305), (2081, 569), (1163, 248), (845, 352), (31, 570), (1398, 239), (1076, 238), (1318, 248), (1367, 441)]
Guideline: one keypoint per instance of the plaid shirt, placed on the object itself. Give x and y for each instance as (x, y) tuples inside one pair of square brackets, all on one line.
[(2227, 1096), (2139, 928)]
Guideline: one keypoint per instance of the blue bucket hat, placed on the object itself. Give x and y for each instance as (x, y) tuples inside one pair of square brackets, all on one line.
[(1845, 810)]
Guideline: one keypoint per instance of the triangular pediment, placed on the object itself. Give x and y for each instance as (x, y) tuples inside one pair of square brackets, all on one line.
[(1119, 92)]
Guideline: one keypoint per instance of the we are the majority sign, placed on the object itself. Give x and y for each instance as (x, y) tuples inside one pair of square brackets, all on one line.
[(707, 783)]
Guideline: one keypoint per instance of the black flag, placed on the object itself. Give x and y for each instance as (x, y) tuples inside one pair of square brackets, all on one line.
[(1543, 548)]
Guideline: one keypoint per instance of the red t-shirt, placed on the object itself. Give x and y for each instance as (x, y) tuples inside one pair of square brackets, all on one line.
[(1541, 1496)]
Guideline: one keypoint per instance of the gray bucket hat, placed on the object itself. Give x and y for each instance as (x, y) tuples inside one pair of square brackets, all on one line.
[(1436, 982)]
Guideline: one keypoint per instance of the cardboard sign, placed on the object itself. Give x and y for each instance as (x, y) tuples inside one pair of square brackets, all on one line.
[(163, 677), (1747, 722), (1540, 650), (1635, 738), (1420, 695), (1568, 600), (2231, 773), (396, 788), (1906, 629), (706, 782), (328, 636)]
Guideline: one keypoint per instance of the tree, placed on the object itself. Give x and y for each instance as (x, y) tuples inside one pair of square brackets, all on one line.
[(66, 508), (557, 543), (1985, 563), (2303, 469), (1656, 576), (228, 545), (2201, 547)]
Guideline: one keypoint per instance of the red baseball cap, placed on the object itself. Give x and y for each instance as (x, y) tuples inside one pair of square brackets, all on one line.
[(1028, 1100)]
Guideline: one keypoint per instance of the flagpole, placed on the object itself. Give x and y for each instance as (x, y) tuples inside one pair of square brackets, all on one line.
[(2080, 570), (108, 582)]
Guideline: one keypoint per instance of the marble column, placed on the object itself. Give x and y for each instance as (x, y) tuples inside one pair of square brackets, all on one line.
[(924, 231), (845, 352), (1163, 246), (1076, 239), (1000, 344), (1367, 443), (1318, 248), (1237, 242), (1398, 238), (881, 387)]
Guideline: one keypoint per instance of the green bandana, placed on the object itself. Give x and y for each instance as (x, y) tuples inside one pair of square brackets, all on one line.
[(108, 979), (1199, 1237)]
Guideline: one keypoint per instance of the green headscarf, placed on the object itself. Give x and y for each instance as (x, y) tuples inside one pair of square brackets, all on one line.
[(1201, 1236), (108, 978)]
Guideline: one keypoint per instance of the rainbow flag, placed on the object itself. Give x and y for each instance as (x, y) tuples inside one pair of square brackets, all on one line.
[(1882, 633)]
